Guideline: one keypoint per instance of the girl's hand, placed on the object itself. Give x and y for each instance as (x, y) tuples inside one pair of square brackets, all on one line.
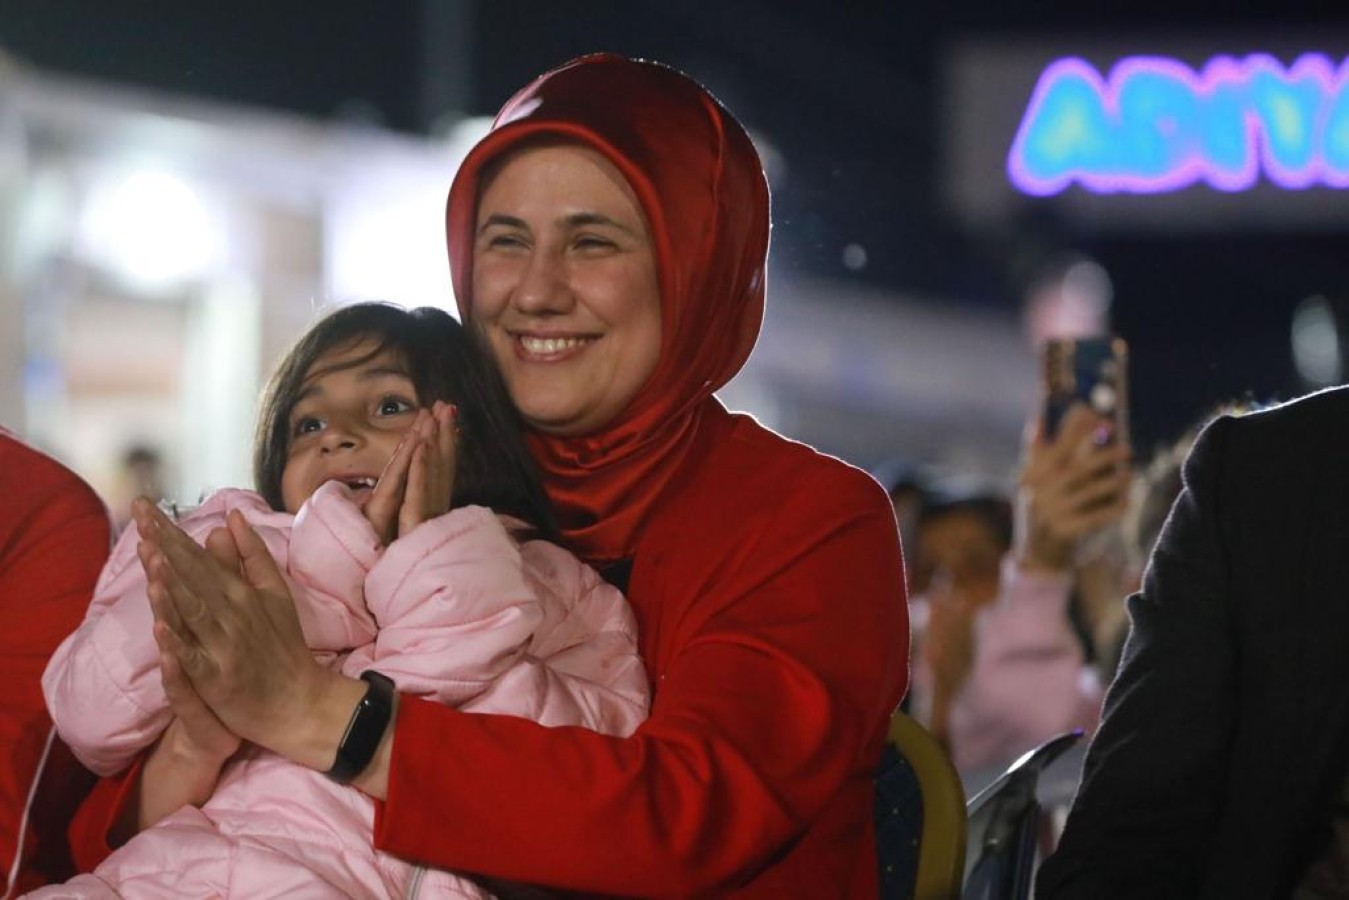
[(226, 615), (1071, 485), (430, 478), (382, 509)]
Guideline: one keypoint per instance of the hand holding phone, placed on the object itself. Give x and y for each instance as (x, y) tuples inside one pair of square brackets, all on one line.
[(1093, 371), (1074, 484)]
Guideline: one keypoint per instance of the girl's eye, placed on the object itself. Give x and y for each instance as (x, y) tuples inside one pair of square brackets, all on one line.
[(593, 242), (306, 425), (392, 406)]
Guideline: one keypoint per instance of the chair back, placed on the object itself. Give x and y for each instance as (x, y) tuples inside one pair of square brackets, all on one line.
[(920, 816), (1004, 821)]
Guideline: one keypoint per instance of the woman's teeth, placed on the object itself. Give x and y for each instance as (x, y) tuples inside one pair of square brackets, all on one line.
[(544, 346)]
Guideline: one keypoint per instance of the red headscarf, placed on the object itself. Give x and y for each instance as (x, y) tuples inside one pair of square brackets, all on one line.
[(701, 185)]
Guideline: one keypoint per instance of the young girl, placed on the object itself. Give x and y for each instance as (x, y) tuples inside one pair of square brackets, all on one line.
[(396, 495)]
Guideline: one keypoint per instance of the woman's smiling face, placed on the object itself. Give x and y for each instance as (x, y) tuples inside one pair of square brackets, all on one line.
[(565, 287)]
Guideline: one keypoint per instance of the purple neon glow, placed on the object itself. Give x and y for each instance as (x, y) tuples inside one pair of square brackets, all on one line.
[(1245, 81)]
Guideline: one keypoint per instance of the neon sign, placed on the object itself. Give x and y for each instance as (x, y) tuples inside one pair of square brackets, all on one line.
[(1157, 125)]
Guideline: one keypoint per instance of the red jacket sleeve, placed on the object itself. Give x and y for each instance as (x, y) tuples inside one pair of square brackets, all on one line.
[(54, 538), (776, 658)]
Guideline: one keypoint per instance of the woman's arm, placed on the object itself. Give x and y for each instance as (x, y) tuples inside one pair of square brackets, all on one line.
[(54, 538), (471, 619), (773, 694)]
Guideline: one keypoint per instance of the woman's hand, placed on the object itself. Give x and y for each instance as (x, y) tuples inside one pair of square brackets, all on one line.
[(186, 763), (1072, 484), (418, 481), (226, 616)]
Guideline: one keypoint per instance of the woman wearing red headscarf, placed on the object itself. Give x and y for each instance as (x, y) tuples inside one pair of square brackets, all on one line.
[(608, 239)]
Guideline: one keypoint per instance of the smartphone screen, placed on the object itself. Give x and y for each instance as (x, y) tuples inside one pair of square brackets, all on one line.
[(1091, 370)]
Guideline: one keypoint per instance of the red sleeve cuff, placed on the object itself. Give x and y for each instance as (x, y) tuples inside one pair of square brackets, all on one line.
[(95, 818)]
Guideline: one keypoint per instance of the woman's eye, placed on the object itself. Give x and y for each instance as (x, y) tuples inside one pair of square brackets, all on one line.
[(592, 242), (506, 241), (392, 406)]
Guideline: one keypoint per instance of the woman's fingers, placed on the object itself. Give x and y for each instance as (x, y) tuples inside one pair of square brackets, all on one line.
[(255, 560), (220, 544), (203, 730)]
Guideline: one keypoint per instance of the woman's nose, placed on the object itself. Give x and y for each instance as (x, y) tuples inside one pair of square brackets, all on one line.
[(544, 286)]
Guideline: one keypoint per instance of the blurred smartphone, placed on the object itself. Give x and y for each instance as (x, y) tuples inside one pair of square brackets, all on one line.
[(1094, 371)]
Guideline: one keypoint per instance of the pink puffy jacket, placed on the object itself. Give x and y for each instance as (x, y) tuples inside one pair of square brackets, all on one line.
[(457, 611)]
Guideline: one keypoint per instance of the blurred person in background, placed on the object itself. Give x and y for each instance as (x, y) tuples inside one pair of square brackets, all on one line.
[(906, 484), (54, 536), (1000, 664), (140, 473)]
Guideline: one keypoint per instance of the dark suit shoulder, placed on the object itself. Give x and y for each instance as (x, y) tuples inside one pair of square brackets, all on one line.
[(1295, 439)]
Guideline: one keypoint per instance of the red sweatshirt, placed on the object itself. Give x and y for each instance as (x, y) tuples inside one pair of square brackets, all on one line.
[(54, 538), (771, 618)]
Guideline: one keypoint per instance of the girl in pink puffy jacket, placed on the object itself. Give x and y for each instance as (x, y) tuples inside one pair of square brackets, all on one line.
[(396, 494)]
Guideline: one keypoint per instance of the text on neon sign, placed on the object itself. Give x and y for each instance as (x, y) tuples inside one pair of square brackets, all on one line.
[(1157, 125)]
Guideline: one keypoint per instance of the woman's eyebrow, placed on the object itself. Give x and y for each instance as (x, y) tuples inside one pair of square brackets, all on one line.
[(575, 220), (501, 219), (593, 218)]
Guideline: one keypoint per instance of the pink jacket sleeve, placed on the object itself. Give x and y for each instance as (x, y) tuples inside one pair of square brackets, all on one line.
[(1030, 680), (469, 618)]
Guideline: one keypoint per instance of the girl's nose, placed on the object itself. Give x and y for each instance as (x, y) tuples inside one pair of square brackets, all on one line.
[(339, 435)]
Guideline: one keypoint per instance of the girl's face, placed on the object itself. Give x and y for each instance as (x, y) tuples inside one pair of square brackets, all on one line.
[(347, 421), (565, 287)]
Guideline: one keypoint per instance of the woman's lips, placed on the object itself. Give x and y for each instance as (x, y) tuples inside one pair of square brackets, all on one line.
[(539, 348)]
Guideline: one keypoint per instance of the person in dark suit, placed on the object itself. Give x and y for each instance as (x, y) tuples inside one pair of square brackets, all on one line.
[(1219, 769)]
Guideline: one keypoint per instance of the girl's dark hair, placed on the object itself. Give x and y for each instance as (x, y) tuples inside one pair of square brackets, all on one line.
[(493, 466)]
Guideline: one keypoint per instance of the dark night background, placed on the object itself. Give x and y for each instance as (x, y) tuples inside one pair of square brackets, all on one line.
[(847, 93)]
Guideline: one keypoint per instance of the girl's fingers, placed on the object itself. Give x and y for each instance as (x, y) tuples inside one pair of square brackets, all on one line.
[(385, 502), (410, 513)]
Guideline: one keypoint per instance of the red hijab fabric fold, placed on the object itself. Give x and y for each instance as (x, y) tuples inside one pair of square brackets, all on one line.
[(701, 184)]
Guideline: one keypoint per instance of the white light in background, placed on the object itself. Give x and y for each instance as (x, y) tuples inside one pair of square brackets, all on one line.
[(152, 229), (385, 221), (1316, 342)]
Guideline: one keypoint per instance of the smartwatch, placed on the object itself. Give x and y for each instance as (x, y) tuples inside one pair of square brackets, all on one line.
[(368, 723)]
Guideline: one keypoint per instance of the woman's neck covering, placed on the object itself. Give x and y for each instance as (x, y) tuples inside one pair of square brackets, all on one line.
[(702, 187)]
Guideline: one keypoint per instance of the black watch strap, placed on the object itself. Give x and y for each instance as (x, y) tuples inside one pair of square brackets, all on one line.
[(368, 723)]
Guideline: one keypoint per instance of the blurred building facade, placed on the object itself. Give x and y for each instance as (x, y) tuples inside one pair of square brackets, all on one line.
[(161, 252)]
